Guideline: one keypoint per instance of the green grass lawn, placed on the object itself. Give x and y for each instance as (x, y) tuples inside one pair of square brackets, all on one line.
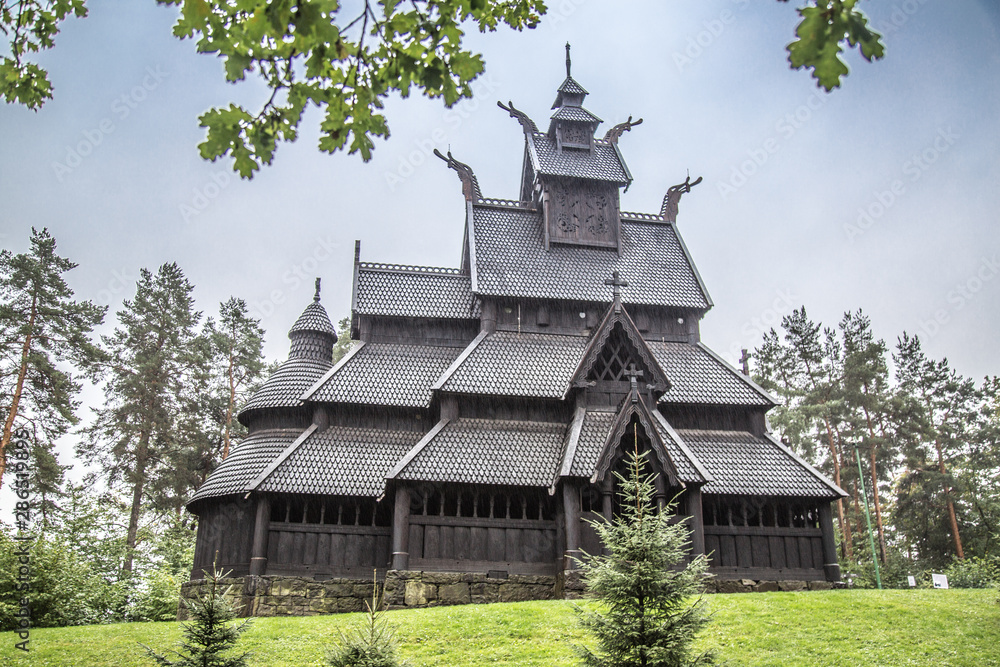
[(843, 628)]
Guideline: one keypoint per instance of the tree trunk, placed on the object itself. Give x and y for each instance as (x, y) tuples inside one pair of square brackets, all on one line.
[(229, 407), (951, 506), (841, 520), (137, 488), (878, 509), (8, 426), (875, 495)]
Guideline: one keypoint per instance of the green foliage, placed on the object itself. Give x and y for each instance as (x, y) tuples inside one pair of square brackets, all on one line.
[(211, 633), (31, 26), (309, 53), (648, 618), (369, 643), (343, 344), (141, 437), (975, 572), (826, 25), (64, 588), (41, 329)]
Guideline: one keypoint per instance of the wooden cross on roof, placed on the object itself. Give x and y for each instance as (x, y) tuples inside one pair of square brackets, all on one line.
[(633, 374), (616, 283), (745, 362)]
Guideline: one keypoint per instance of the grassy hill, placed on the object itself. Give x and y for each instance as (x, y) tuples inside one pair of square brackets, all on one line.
[(832, 628)]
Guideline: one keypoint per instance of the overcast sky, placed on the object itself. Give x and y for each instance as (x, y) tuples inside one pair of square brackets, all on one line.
[(882, 195)]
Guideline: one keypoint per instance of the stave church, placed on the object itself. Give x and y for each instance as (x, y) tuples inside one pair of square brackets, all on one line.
[(472, 433)]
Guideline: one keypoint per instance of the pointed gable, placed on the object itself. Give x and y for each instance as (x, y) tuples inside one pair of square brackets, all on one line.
[(616, 346), (634, 413)]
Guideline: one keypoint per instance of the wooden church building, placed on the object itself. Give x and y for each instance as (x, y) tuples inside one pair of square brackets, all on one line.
[(476, 423)]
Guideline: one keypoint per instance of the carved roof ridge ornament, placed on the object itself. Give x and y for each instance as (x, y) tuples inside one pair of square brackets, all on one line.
[(316, 296), (527, 124), (470, 185), (633, 374), (569, 63), (614, 133), (616, 283), (673, 197)]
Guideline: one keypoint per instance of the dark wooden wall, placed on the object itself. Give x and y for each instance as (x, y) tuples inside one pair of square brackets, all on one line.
[(380, 417), (258, 420), (311, 550), (519, 409), (560, 317), (328, 536), (465, 529), (413, 331), (710, 417), (224, 526), (764, 538)]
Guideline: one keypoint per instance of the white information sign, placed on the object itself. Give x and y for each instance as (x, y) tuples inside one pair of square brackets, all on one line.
[(912, 581), (940, 580)]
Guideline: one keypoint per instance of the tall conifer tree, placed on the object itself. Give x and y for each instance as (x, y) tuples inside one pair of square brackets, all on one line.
[(237, 342), (650, 619), (40, 326), (153, 353), (948, 404)]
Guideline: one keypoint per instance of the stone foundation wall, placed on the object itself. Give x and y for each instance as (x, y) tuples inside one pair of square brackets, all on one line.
[(765, 586), (271, 595)]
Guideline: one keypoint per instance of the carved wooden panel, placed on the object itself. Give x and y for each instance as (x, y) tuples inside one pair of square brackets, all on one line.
[(582, 212)]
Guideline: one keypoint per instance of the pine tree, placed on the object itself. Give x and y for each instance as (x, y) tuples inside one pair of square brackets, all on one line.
[(648, 618), (371, 643), (134, 437), (867, 397), (237, 343), (947, 403), (41, 325), (210, 633)]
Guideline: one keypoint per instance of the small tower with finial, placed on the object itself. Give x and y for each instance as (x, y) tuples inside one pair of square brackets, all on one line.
[(313, 335)]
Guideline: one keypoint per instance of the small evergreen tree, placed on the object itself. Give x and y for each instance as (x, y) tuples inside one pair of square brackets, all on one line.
[(210, 633), (371, 643), (648, 619)]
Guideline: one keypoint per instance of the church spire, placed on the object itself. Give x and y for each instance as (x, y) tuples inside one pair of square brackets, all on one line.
[(571, 124)]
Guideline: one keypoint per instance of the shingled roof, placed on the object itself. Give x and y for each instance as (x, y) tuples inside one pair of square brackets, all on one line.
[(508, 363), (315, 319), (510, 260), (486, 451), (413, 291), (341, 461), (742, 463), (698, 375), (283, 389), (384, 374), (245, 462), (603, 163)]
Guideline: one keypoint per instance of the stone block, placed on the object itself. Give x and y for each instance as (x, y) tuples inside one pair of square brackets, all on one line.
[(454, 593), (820, 586), (441, 578), (363, 591), (345, 605), (792, 585), (484, 593), (515, 592), (731, 586), (418, 594), (338, 589), (766, 587)]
